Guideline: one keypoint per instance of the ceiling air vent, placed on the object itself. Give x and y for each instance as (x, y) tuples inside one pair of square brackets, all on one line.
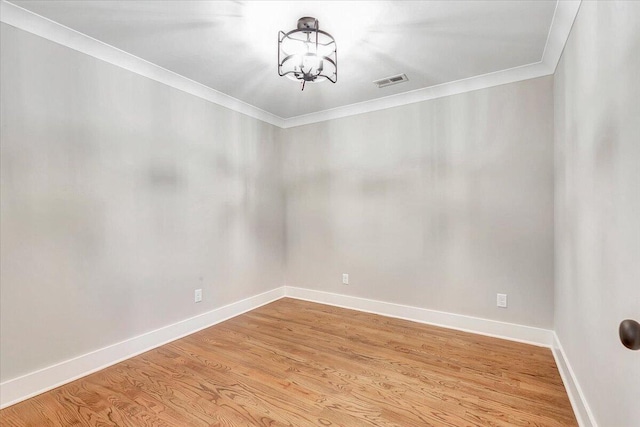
[(388, 81)]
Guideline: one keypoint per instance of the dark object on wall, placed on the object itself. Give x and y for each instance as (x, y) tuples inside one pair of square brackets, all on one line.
[(630, 334)]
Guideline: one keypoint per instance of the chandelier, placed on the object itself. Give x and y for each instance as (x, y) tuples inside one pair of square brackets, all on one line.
[(307, 54)]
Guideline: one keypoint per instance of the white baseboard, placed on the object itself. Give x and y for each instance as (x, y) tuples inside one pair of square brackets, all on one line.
[(476, 325), (580, 406), (34, 383)]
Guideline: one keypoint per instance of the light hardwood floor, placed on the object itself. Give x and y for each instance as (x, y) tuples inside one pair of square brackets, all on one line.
[(295, 363)]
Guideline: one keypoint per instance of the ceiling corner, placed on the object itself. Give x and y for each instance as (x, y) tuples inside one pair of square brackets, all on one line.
[(559, 30), (33, 23), (563, 19)]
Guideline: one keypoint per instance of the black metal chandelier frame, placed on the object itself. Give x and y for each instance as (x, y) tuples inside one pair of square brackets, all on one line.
[(308, 27)]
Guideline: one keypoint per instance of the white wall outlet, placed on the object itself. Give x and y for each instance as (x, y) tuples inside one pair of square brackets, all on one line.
[(502, 300), (198, 295), (345, 279)]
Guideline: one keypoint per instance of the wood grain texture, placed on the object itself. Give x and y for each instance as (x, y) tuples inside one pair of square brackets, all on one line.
[(296, 363)]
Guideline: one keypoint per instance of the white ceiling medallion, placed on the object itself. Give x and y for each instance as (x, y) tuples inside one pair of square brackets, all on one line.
[(307, 54)]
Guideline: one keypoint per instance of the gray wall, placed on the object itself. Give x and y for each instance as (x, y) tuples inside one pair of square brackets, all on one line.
[(440, 204), (120, 196), (597, 107)]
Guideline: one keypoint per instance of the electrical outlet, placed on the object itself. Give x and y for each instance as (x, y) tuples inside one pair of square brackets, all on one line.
[(198, 295), (502, 300), (345, 279)]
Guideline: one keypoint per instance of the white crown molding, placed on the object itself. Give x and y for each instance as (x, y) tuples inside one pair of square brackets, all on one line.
[(525, 72), (493, 328), (581, 408), (563, 19), (34, 383), (560, 28), (23, 19)]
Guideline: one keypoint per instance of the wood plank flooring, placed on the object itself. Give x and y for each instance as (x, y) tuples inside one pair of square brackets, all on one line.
[(295, 363)]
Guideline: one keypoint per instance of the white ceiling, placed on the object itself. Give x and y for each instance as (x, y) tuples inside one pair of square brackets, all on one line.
[(231, 46)]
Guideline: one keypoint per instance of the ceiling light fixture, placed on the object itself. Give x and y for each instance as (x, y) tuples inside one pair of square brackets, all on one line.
[(307, 54)]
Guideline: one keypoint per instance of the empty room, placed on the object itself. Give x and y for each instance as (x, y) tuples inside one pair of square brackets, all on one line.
[(320, 213)]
